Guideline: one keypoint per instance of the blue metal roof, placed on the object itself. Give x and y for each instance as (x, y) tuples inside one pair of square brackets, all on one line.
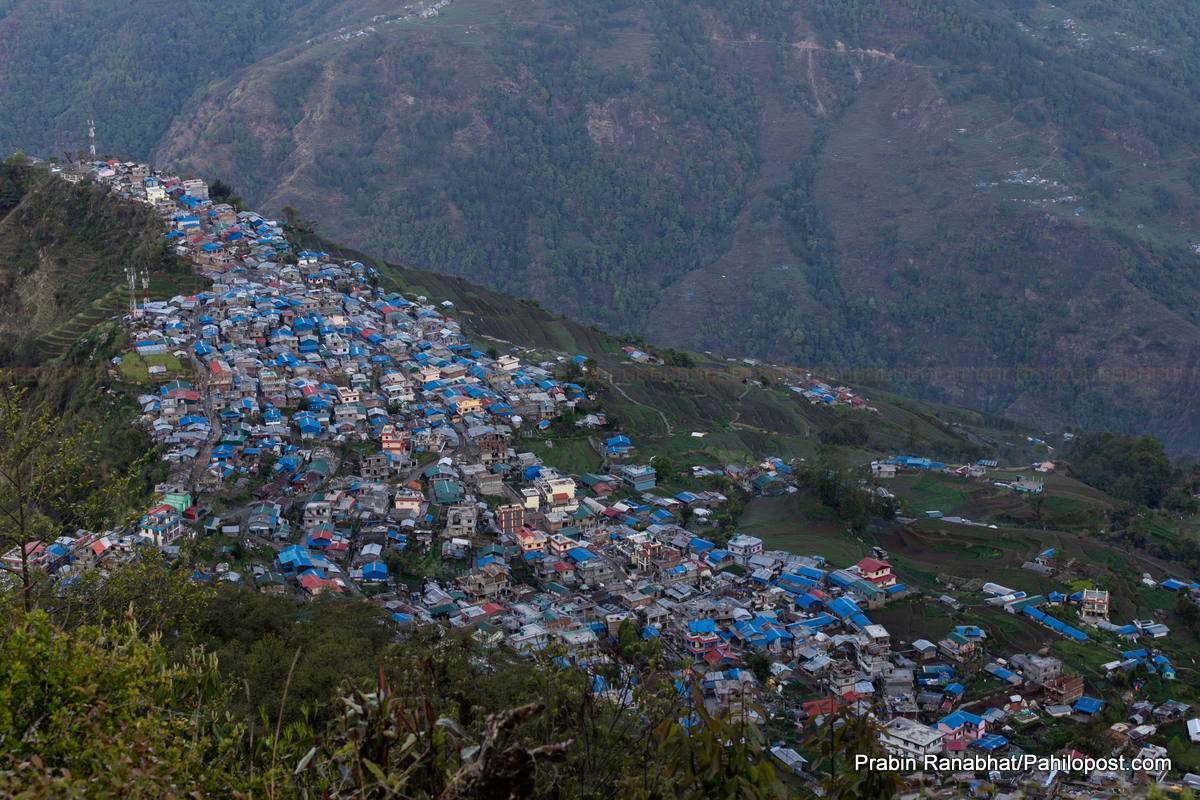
[(960, 718), (842, 607), (859, 620), (991, 742), (579, 554)]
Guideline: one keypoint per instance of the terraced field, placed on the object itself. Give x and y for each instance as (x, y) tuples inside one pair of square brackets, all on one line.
[(1012, 633), (113, 303), (910, 620), (932, 547), (63, 253), (927, 548), (1067, 487), (55, 342), (937, 492)]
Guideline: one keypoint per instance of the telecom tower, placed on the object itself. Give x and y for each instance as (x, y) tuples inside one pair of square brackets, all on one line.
[(131, 278), (92, 137), (145, 287)]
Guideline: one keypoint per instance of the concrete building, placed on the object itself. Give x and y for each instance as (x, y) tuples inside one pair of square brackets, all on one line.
[(1063, 690), (1037, 669), (376, 467), (461, 521), (908, 738), (510, 518), (1093, 607), (744, 547)]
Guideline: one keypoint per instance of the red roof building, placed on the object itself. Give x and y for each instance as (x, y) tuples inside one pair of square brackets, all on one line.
[(314, 585), (877, 572), (721, 654), (817, 708)]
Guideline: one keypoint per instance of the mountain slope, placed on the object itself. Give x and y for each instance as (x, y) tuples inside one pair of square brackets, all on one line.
[(510, 154), (133, 65), (795, 186), (653, 168), (63, 252), (422, 131), (745, 411)]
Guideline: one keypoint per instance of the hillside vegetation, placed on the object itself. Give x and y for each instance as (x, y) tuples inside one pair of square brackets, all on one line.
[(824, 186), (132, 65), (832, 184), (63, 252)]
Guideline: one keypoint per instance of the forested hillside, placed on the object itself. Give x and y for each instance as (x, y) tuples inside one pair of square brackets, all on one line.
[(797, 185), (843, 183), (132, 66), (63, 252)]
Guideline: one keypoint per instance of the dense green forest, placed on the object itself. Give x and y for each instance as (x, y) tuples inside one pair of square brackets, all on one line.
[(1136, 472), (1154, 495), (132, 66), (617, 227)]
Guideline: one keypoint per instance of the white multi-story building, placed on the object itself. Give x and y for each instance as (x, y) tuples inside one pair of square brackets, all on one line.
[(908, 738), (743, 548)]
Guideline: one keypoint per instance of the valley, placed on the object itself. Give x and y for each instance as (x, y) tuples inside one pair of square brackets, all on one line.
[(844, 208), (592, 400), (827, 188), (329, 431)]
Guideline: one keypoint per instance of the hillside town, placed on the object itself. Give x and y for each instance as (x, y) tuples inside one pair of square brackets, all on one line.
[(361, 444)]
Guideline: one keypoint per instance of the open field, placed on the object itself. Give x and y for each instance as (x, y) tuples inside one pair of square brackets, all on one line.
[(568, 456), (936, 492), (135, 368), (792, 522), (914, 619)]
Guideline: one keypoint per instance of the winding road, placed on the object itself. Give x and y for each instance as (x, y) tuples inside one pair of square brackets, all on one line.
[(608, 377)]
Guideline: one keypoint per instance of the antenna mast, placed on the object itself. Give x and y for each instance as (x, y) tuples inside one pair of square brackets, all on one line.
[(145, 288), (92, 137), (131, 279)]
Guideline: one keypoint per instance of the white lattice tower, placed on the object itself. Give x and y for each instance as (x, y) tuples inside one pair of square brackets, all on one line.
[(131, 279)]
